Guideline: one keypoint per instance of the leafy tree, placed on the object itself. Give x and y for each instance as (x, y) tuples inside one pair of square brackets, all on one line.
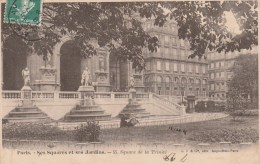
[(244, 81), (118, 26)]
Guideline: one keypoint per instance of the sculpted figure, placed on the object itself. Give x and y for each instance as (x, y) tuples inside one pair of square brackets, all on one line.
[(132, 81), (85, 78), (26, 76)]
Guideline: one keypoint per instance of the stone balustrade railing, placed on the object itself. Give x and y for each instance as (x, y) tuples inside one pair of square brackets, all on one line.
[(166, 101), (61, 95), (11, 94)]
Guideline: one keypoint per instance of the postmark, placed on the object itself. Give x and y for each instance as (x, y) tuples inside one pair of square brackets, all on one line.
[(23, 12)]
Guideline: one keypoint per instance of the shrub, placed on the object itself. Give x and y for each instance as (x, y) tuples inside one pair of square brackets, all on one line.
[(200, 107), (32, 131), (88, 132)]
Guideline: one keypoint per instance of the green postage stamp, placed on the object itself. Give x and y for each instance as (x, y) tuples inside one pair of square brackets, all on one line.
[(23, 12)]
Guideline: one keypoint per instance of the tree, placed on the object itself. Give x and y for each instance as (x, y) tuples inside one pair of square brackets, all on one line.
[(118, 26), (245, 80)]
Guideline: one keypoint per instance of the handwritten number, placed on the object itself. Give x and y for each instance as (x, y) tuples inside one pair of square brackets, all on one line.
[(184, 158)]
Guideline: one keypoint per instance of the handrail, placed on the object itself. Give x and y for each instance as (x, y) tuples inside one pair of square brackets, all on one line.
[(167, 101)]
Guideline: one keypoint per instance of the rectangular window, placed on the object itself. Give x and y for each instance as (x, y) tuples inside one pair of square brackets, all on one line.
[(182, 43), (174, 52), (166, 51), (174, 41), (175, 67), (167, 66), (159, 67), (217, 64), (212, 75), (222, 75), (212, 87), (203, 69), (190, 68), (158, 50), (166, 39), (148, 66), (222, 64), (182, 67), (183, 54), (212, 65), (197, 68)]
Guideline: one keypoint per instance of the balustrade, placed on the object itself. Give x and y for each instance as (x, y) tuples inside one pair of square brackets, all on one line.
[(11, 94)]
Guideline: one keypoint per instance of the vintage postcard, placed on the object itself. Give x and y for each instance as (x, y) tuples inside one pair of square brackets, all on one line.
[(129, 82)]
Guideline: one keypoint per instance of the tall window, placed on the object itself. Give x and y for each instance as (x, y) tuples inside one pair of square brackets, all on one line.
[(166, 51), (182, 67), (174, 52), (159, 66), (174, 41), (212, 75), (182, 43), (222, 74), (211, 65), (197, 68), (183, 54), (176, 80), (148, 66), (212, 87), (175, 67), (203, 69), (190, 68), (166, 39), (222, 64), (158, 50), (167, 66)]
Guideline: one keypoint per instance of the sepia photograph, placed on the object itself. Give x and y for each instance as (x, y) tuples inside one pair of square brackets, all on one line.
[(171, 80)]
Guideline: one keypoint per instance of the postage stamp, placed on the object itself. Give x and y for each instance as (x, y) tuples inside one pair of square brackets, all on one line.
[(23, 12)]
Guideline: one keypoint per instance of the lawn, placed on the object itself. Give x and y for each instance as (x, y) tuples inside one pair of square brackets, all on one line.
[(213, 131), (220, 130)]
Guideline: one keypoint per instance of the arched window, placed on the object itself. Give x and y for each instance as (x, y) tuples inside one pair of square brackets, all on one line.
[(159, 79), (176, 80), (191, 81), (183, 80), (167, 79)]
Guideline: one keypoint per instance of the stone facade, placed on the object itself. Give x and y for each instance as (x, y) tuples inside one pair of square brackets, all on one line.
[(220, 71), (169, 71)]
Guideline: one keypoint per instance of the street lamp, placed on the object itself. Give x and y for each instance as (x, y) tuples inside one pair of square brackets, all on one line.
[(182, 94)]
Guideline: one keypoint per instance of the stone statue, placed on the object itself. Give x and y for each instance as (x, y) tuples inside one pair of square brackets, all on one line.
[(132, 81), (85, 79), (26, 76)]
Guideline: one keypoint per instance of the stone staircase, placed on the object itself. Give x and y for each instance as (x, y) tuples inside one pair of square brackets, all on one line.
[(169, 106), (133, 107), (87, 112), (27, 112)]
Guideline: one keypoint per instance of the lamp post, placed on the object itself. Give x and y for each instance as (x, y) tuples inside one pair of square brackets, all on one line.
[(182, 94)]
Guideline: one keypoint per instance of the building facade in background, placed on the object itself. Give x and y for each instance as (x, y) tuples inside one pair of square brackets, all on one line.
[(220, 71), (169, 71)]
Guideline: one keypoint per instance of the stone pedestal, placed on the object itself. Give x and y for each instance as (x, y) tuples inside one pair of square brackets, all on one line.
[(48, 79), (87, 110), (26, 111), (133, 107), (190, 104)]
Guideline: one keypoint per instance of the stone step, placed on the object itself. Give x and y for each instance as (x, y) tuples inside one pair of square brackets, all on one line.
[(72, 118), (86, 112), (88, 115), (31, 109), (26, 115), (28, 119)]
